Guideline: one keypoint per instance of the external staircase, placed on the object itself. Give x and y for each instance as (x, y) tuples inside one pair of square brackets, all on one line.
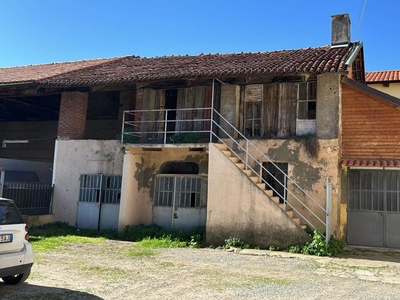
[(258, 182), (140, 124)]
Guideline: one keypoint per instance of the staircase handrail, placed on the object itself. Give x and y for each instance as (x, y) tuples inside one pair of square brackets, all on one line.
[(263, 168)]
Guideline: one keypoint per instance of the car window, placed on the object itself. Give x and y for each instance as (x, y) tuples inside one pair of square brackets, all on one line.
[(9, 214)]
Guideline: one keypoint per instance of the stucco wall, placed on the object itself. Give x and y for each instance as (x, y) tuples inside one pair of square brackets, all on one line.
[(238, 208), (328, 100), (76, 157), (309, 173), (393, 88), (140, 169)]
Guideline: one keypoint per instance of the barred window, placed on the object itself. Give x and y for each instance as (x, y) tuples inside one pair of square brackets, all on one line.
[(185, 191)]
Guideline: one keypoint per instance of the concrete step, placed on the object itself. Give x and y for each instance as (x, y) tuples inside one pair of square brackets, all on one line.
[(261, 185), (240, 166), (297, 220), (248, 173), (275, 199), (269, 192), (227, 153), (255, 179), (234, 159), (221, 146)]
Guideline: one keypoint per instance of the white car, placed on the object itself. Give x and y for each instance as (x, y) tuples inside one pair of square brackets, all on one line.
[(16, 254)]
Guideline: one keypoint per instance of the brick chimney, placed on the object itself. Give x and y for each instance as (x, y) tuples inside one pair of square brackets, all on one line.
[(340, 30)]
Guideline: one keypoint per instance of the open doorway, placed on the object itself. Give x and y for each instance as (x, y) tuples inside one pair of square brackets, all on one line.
[(171, 101), (275, 177)]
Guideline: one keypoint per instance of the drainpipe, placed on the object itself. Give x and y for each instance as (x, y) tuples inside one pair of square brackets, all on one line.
[(212, 110), (328, 220)]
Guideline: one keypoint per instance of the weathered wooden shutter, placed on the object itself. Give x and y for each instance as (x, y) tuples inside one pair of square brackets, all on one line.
[(280, 109)]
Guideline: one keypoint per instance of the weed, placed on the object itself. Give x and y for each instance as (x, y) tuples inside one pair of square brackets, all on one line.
[(235, 242), (318, 246), (195, 237), (55, 235), (141, 252), (164, 242), (185, 138), (311, 144)]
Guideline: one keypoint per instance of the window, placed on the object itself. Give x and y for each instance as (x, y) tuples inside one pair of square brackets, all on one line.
[(307, 101), (253, 101), (306, 107), (183, 190)]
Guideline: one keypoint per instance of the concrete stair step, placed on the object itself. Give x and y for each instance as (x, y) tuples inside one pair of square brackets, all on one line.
[(275, 199), (234, 159), (221, 147), (297, 220), (261, 185), (269, 192), (240, 166), (248, 173), (227, 152), (255, 179)]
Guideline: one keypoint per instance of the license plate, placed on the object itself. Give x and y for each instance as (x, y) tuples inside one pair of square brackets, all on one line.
[(6, 238)]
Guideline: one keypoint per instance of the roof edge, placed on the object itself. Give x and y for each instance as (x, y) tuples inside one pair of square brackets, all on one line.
[(371, 91)]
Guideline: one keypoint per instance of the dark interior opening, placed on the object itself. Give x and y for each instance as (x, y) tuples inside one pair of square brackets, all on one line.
[(180, 168), (171, 101), (276, 178)]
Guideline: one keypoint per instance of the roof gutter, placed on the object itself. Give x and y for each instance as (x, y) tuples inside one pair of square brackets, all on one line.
[(16, 83), (349, 61)]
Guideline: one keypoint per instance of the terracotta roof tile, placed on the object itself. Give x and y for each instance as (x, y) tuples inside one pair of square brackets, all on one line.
[(370, 163), (382, 76), (39, 72), (136, 69)]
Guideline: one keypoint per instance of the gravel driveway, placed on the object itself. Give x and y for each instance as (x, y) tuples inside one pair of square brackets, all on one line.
[(119, 270)]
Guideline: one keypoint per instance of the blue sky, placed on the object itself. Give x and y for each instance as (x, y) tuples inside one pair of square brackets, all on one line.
[(45, 31)]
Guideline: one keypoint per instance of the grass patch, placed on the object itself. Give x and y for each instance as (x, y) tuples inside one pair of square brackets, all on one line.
[(164, 242), (110, 274), (55, 235), (141, 252)]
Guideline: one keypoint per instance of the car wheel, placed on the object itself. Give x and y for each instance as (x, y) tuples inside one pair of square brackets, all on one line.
[(16, 279)]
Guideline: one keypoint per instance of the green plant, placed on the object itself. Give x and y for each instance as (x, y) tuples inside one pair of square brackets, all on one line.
[(318, 246), (54, 235), (128, 138), (185, 138), (310, 142), (235, 242), (158, 235)]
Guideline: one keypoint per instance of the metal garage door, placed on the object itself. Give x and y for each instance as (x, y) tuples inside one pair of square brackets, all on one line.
[(99, 201), (180, 201), (374, 208)]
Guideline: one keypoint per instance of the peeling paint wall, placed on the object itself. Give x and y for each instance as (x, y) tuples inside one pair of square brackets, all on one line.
[(140, 170), (238, 208), (76, 157), (309, 173)]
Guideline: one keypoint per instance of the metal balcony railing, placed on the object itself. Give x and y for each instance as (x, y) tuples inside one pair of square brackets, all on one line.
[(206, 125)]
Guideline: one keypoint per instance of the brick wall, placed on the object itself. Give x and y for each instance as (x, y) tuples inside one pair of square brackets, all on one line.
[(72, 120)]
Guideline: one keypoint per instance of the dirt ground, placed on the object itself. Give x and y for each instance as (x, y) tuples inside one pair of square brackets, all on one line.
[(120, 270)]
